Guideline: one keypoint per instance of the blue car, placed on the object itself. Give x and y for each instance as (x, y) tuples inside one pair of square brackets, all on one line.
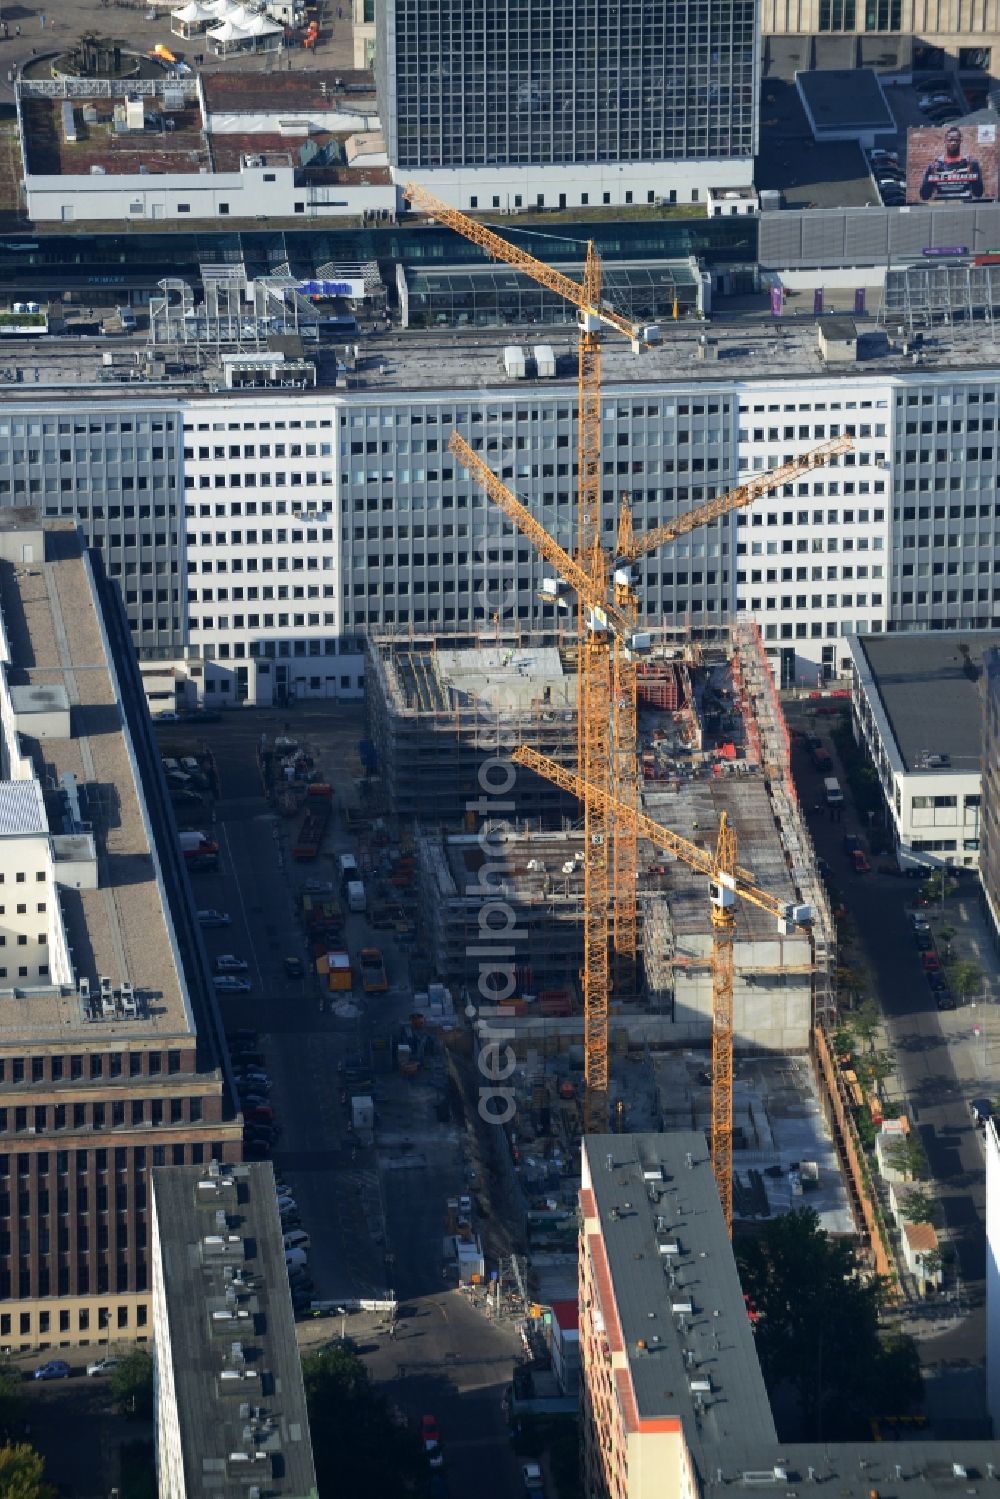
[(54, 1369)]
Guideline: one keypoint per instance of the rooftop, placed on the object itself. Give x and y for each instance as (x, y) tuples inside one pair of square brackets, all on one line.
[(678, 1302), (237, 1376), (839, 100), (694, 814), (928, 684), (631, 1183), (290, 93), (418, 362), (47, 153), (492, 679), (56, 640)]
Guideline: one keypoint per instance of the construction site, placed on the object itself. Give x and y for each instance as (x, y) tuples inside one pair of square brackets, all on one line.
[(607, 858)]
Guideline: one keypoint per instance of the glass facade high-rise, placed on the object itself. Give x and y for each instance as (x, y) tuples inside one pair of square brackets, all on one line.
[(481, 83)]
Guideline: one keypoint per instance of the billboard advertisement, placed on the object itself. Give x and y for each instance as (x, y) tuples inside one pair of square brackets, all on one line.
[(951, 164)]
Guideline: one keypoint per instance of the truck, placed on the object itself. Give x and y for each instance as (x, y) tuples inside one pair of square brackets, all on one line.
[(348, 867), (319, 805), (832, 792), (356, 898), (373, 979), (198, 849), (338, 970)]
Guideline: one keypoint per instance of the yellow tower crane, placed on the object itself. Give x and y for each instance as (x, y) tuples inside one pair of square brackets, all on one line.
[(607, 613), (727, 883), (616, 618)]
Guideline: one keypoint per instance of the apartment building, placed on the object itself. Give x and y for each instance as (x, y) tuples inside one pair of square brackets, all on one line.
[(258, 537), (572, 103), (110, 1049), (230, 1402), (673, 1401)]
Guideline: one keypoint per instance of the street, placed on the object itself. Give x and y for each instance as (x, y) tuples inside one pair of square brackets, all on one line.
[(376, 1216), (941, 1064)]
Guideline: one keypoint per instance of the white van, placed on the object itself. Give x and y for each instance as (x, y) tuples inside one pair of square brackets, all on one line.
[(348, 865), (834, 795), (356, 898)]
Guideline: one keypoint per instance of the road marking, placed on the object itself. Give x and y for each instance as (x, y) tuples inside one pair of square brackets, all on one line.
[(243, 908)]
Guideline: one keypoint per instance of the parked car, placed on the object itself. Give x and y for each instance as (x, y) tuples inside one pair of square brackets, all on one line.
[(260, 1113), (254, 1074), (859, 859), (981, 1110), (54, 1369), (295, 968), (166, 715), (940, 96), (296, 1259), (103, 1365), (923, 939), (431, 1438), (944, 1000), (851, 842), (230, 983), (297, 1239), (938, 982), (228, 962), (213, 917), (931, 961)]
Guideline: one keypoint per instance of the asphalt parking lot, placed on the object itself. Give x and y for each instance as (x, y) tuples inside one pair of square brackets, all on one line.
[(375, 1216)]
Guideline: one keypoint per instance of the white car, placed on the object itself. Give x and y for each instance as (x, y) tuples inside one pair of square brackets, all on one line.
[(213, 918), (103, 1365), (228, 962), (297, 1239), (229, 983)]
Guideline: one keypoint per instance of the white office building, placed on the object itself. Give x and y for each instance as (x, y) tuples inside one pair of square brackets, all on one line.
[(258, 536)]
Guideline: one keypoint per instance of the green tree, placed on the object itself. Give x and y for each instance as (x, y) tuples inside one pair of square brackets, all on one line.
[(357, 1446), (906, 1155), (818, 1328), (21, 1473), (132, 1384), (11, 1398), (965, 977), (864, 1022), (920, 1206), (875, 1066)]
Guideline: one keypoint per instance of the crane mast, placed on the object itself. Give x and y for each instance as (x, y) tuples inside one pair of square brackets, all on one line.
[(607, 782)]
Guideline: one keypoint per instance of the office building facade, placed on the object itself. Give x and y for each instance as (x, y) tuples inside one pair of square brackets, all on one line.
[(277, 530), (541, 98), (110, 1050)]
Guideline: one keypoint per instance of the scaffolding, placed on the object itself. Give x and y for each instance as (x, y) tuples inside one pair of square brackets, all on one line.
[(763, 708), (922, 296)]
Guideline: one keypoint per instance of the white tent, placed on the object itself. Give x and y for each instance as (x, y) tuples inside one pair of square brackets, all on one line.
[(228, 33), (194, 17), (261, 26)]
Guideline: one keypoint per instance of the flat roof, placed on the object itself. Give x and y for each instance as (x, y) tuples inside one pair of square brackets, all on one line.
[(227, 1294), (666, 1245), (694, 814), (288, 93), (414, 363), (47, 153), (230, 148), (54, 634), (732, 1436), (843, 99), (810, 173), (928, 685)]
